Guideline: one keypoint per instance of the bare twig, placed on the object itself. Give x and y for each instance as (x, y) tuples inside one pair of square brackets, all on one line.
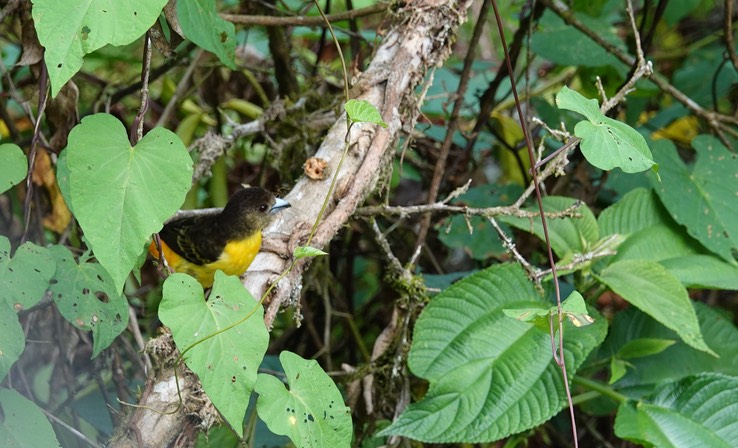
[(728, 33), (145, 72), (442, 207), (305, 20), (69, 428), (509, 244)]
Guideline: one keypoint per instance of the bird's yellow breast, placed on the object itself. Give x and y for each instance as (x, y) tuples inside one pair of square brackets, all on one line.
[(235, 259)]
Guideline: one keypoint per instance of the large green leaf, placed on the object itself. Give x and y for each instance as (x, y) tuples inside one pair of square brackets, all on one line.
[(636, 210), (70, 29), (202, 25), (650, 287), (656, 243), (568, 235), (704, 200), (25, 277), (653, 235), (703, 271), (122, 194), (23, 424), (490, 375), (311, 413), (226, 363), (697, 411), (677, 361), (87, 298), (14, 166), (606, 143)]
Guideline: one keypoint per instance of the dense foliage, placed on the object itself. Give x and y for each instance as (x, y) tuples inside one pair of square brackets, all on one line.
[(434, 314)]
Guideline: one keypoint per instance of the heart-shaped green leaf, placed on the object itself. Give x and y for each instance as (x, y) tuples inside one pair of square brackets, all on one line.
[(227, 362), (122, 194)]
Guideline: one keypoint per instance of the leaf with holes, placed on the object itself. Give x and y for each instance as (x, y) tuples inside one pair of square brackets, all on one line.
[(25, 277), (606, 143), (70, 30), (488, 373), (122, 194), (227, 361), (311, 413), (87, 298)]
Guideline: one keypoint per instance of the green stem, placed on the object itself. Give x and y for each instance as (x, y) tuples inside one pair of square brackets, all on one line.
[(600, 388)]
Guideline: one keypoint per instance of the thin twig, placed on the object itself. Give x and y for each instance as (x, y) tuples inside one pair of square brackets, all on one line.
[(69, 428), (43, 96), (242, 19), (145, 72), (509, 244), (728, 33)]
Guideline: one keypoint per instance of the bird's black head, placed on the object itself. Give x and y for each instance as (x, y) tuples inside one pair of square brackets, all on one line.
[(252, 209)]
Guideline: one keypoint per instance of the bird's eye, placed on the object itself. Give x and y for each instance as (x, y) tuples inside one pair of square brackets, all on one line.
[(263, 208)]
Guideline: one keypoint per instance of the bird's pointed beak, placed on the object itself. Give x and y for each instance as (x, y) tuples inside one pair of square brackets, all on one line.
[(279, 204)]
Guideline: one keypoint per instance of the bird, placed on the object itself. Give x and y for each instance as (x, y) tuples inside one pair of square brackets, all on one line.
[(227, 240)]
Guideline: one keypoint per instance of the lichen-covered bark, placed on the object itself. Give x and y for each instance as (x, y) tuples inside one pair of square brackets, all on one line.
[(420, 39)]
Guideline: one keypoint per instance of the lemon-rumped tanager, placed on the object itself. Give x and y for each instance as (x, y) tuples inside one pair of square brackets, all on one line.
[(227, 240)]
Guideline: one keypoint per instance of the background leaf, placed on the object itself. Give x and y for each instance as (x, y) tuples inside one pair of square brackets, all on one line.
[(677, 361), (696, 411), (226, 363), (311, 413), (650, 287), (638, 209), (14, 167), (68, 33), (702, 200), (23, 424), (12, 339), (202, 25), (122, 194)]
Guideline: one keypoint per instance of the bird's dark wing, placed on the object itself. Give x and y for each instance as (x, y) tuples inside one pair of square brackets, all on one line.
[(197, 239)]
